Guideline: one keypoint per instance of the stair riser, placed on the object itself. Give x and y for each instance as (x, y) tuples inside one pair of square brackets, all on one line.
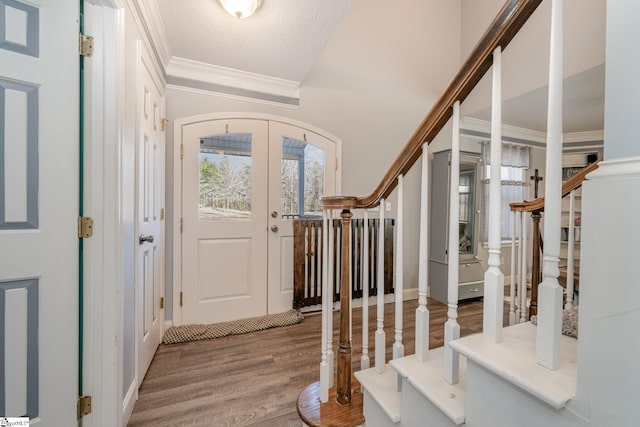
[(418, 411), (492, 401), (374, 414)]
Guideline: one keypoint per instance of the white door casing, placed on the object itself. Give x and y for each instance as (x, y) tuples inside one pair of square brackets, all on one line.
[(150, 214), (224, 266), (203, 302), (39, 80)]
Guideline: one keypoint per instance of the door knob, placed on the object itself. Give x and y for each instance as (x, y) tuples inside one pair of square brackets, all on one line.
[(142, 238), (274, 214), (274, 228)]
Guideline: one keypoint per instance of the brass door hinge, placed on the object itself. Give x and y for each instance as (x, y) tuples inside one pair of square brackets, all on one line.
[(85, 45), (84, 406), (180, 298), (181, 151), (163, 124), (161, 302), (161, 214), (85, 227), (181, 224)]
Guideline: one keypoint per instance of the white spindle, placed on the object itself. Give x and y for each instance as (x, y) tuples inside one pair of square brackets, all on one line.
[(523, 268), (331, 287), (570, 249), (380, 335), (512, 276), (493, 277), (451, 327), (422, 312), (324, 365), (549, 291), (364, 359), (398, 347)]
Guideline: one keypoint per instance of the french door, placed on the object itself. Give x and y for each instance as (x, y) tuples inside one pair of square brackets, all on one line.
[(243, 183)]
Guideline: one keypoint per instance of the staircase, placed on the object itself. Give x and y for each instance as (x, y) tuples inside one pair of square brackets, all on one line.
[(522, 375)]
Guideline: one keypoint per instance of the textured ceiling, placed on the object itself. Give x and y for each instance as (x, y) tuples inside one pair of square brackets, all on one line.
[(281, 40)]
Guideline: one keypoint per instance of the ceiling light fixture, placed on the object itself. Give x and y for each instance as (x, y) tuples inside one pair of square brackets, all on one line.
[(241, 8)]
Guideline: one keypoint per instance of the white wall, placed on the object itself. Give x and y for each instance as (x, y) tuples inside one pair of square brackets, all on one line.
[(608, 348), (371, 86), (525, 62)]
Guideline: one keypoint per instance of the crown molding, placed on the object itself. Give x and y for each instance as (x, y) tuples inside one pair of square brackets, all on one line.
[(231, 78), (481, 130), (147, 17)]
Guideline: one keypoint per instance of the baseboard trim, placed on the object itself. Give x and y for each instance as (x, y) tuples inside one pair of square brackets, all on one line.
[(407, 294), (129, 402)]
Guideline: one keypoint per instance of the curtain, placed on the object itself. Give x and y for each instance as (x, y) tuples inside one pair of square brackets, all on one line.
[(515, 160)]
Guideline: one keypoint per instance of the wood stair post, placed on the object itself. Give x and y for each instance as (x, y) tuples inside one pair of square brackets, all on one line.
[(344, 347), (536, 276)]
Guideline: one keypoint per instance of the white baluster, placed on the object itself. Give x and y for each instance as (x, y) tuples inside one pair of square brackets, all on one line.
[(494, 278), (523, 268), (398, 347), (331, 286), (570, 250), (422, 312), (512, 278), (324, 365), (364, 359), (549, 291), (522, 282), (380, 334), (451, 327)]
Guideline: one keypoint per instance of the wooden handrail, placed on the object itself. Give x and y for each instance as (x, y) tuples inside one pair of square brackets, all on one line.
[(567, 187), (504, 27)]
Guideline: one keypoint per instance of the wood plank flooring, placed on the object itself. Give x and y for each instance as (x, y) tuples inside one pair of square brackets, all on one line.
[(254, 379)]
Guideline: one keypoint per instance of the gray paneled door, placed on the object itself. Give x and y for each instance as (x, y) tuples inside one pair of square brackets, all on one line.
[(38, 210)]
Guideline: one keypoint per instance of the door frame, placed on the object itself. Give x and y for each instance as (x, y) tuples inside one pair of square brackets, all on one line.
[(103, 252), (178, 125)]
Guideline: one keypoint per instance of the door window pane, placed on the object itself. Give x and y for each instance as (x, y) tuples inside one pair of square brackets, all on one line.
[(225, 177), (302, 173)]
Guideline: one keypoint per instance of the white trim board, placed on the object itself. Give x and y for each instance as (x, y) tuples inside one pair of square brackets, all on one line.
[(185, 72)]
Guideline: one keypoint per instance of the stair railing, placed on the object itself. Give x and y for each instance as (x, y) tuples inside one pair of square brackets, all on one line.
[(485, 55), (518, 308)]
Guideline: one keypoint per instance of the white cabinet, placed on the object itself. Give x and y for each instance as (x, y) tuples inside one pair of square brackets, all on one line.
[(470, 270)]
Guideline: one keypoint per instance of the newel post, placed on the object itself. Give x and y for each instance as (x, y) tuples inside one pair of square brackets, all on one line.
[(344, 347)]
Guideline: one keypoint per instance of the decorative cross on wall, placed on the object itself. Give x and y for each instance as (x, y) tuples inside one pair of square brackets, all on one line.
[(536, 178)]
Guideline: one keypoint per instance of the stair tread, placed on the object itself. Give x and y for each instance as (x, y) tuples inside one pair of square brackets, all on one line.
[(428, 379), (380, 387), (514, 359)]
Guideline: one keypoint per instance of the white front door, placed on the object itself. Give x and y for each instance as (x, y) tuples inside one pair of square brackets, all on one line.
[(150, 212), (224, 264), (39, 81), (243, 183), (302, 167)]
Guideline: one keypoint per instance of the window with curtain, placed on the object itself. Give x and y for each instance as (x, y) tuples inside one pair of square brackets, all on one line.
[(515, 162)]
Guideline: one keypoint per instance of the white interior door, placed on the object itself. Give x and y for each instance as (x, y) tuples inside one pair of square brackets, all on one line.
[(302, 167), (39, 80), (150, 211), (224, 212)]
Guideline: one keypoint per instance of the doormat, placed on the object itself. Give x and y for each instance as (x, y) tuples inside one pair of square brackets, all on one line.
[(178, 334)]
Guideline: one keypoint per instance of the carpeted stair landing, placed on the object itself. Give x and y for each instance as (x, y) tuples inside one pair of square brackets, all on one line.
[(178, 334)]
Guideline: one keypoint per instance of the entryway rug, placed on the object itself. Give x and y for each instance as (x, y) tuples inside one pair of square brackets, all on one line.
[(177, 334)]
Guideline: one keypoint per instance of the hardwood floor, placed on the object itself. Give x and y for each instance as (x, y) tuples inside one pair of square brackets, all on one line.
[(254, 379)]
